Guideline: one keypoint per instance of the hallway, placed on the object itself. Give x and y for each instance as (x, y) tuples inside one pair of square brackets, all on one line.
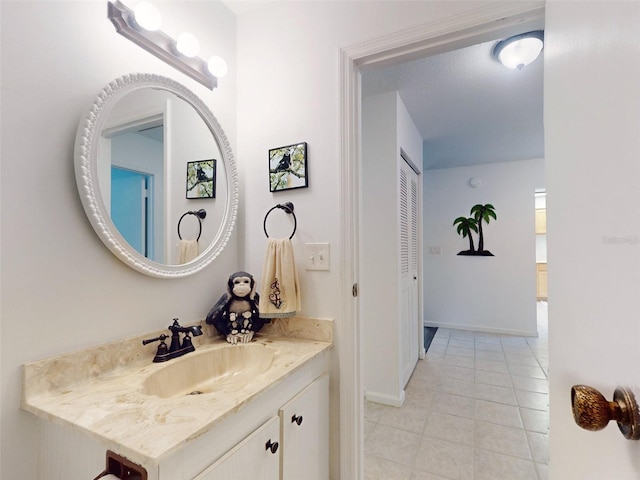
[(476, 409)]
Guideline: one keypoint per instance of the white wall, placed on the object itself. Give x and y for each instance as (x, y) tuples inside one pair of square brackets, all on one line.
[(62, 289), (493, 294), (289, 91), (386, 129)]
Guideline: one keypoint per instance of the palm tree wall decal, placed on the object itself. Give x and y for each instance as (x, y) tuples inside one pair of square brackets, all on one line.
[(465, 226), (481, 213)]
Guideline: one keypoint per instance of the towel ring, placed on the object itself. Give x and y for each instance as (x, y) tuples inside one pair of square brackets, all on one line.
[(200, 214), (288, 208)]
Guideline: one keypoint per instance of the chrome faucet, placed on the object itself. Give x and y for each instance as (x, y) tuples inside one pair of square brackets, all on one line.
[(175, 348)]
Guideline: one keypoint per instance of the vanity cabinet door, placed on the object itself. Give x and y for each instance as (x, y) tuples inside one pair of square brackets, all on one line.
[(250, 459), (305, 433)]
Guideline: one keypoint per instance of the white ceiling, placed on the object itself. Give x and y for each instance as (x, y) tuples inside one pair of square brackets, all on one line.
[(468, 108)]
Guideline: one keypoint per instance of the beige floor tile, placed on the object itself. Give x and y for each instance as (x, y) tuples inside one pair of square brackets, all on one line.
[(457, 342), (543, 471), (418, 475), (493, 378), (507, 415), (372, 410), (454, 372), (530, 384), (535, 420), (533, 400), (458, 405), (481, 345), (476, 408), (491, 366), (489, 355), (467, 362), (494, 466), (449, 427), (409, 418), (486, 338), (368, 428), (376, 468), (447, 459), (526, 370), (501, 439), (523, 349), (463, 334), (495, 393), (513, 341), (418, 396), (456, 387), (518, 358), (460, 351), (393, 444), (539, 445)]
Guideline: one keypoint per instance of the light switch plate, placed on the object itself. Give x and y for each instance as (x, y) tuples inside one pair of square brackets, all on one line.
[(316, 256)]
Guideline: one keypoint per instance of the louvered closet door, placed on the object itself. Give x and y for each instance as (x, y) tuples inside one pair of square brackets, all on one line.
[(409, 321)]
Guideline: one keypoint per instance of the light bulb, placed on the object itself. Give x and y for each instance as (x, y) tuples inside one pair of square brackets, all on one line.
[(147, 16), (217, 67), (521, 52), (187, 44)]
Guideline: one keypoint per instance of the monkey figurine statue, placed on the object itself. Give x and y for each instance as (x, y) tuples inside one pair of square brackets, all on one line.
[(236, 315)]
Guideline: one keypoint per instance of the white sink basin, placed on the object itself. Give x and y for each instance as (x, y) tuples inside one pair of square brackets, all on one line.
[(227, 368)]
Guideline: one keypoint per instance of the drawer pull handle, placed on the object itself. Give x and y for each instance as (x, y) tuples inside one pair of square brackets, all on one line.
[(271, 446), (297, 419)]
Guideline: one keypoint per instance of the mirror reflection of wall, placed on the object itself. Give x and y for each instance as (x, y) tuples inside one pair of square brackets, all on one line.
[(149, 137)]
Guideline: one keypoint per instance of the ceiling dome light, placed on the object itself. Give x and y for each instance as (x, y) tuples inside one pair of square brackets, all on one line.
[(187, 44), (217, 66), (519, 50), (147, 16)]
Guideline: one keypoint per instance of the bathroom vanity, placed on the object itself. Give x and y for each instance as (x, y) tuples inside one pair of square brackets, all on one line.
[(254, 411)]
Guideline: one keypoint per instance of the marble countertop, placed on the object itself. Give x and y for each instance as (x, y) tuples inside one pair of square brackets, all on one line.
[(99, 390)]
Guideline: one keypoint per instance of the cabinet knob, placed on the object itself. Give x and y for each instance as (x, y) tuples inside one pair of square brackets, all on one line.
[(592, 411), (271, 446), (297, 419)]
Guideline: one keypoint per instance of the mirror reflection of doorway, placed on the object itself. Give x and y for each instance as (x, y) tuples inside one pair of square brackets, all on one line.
[(131, 209), (137, 202)]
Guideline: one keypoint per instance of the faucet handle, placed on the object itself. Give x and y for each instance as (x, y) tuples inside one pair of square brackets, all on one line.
[(162, 338), (162, 348)]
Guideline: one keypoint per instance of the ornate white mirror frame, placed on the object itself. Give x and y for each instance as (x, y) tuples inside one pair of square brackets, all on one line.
[(86, 169)]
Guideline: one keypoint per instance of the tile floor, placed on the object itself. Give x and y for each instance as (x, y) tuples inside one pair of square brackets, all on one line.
[(476, 408)]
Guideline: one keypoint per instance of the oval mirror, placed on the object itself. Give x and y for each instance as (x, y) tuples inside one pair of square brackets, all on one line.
[(156, 176)]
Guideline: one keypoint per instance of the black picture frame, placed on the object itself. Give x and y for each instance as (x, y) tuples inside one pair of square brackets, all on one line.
[(288, 167), (201, 179)]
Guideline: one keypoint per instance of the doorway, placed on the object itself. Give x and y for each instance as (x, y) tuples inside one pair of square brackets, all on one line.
[(131, 208), (434, 38)]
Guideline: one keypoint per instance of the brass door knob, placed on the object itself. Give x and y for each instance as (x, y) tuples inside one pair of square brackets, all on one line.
[(592, 411)]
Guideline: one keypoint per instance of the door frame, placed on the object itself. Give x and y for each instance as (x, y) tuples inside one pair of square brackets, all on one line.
[(477, 26)]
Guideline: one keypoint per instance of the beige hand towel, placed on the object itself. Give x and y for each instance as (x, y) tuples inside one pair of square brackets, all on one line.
[(279, 289), (187, 250)]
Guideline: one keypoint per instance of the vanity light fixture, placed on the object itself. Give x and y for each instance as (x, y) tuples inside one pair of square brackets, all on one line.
[(187, 44), (147, 16), (520, 50), (142, 28)]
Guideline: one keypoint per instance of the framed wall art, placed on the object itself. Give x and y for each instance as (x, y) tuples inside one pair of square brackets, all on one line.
[(288, 167), (201, 179)]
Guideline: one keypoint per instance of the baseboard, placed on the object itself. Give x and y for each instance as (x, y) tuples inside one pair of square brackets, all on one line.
[(484, 329), (385, 399)]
